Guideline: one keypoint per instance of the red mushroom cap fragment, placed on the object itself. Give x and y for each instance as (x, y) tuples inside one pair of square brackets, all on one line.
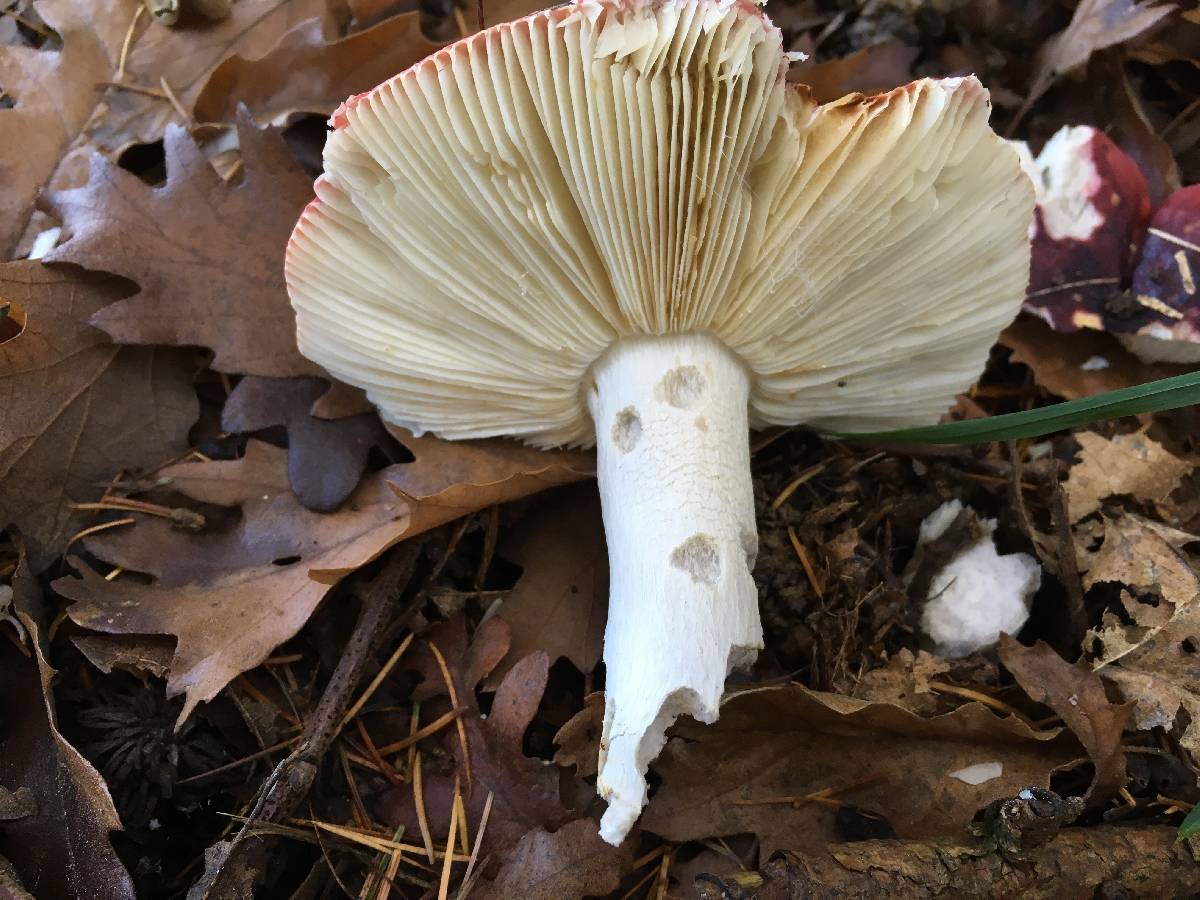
[(1165, 324), (1092, 206)]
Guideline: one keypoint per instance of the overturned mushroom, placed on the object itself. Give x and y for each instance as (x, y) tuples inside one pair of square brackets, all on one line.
[(1166, 284), (613, 222), (1092, 206)]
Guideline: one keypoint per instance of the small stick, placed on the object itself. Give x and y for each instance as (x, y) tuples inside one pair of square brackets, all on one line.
[(289, 783)]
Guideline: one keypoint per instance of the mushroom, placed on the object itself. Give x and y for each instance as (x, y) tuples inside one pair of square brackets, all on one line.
[(613, 222), (1165, 284), (1092, 206)]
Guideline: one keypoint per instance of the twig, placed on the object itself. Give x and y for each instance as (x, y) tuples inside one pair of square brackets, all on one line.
[(289, 784)]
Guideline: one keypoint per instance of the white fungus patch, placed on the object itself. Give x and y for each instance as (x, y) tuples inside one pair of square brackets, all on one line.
[(977, 595), (698, 556)]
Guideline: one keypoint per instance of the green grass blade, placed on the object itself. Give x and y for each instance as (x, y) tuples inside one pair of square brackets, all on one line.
[(1191, 825), (1154, 396)]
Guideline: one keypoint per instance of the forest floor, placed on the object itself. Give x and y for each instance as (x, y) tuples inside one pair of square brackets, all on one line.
[(250, 636)]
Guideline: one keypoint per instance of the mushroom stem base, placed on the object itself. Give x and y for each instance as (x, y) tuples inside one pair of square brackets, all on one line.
[(673, 461)]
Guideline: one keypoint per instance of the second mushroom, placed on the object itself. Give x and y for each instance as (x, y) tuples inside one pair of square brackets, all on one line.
[(616, 223)]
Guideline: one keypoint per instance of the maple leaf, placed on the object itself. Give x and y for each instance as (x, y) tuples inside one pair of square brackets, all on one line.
[(207, 254), (230, 597), (571, 862), (525, 792), (70, 102), (77, 408), (560, 602), (1076, 693), (1150, 652), (326, 457), (788, 742), (62, 848), (307, 72)]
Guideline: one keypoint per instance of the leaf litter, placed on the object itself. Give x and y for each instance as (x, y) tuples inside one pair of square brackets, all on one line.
[(206, 542)]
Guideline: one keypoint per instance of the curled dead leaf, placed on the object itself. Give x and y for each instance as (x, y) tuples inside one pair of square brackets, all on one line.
[(754, 771)]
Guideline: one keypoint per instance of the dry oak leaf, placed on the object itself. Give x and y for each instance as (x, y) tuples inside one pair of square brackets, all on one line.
[(1094, 25), (560, 602), (1125, 464), (207, 254), (66, 104), (525, 792), (875, 69), (904, 681), (77, 409), (326, 458), (184, 58), (1152, 659), (1090, 362), (788, 742), (1076, 693), (578, 740), (308, 72), (571, 862), (231, 597), (61, 851), (55, 92)]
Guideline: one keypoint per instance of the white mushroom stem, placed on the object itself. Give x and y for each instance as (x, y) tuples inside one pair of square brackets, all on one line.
[(674, 470)]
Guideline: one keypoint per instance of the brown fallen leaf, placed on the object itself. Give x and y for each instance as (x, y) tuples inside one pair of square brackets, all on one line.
[(775, 744), (1150, 651), (55, 93), (904, 681), (579, 739), (525, 792), (1124, 464), (1088, 362), (207, 254), (870, 70), (230, 597), (73, 100), (326, 457), (1094, 25), (184, 58), (571, 862), (308, 72), (1137, 137), (77, 410), (1076, 693), (560, 602), (62, 849)]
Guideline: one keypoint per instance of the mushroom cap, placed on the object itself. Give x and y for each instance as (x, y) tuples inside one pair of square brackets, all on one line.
[(493, 219), (1165, 326), (1092, 207)]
